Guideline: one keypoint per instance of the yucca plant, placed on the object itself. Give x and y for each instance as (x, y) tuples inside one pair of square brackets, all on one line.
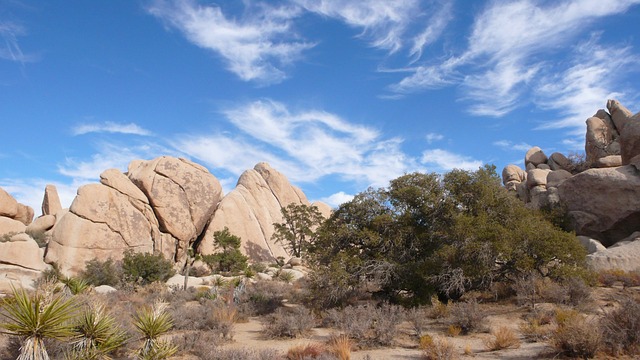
[(153, 322), (96, 335), (36, 318), (76, 286)]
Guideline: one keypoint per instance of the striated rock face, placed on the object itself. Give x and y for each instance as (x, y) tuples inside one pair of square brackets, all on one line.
[(250, 210)]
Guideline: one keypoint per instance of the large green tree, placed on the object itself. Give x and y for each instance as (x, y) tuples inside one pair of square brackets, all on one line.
[(298, 229), (427, 234)]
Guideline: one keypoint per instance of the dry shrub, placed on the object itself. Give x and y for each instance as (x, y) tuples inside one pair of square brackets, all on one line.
[(537, 326), (288, 323), (621, 328), (439, 310), (367, 325), (245, 354), (454, 330), (577, 337), (418, 318), (302, 352), (340, 346), (224, 317), (578, 292), (202, 344), (262, 298), (468, 316), (437, 348), (503, 338), (628, 279)]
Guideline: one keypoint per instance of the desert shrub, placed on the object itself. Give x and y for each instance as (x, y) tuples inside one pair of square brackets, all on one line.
[(577, 337), (98, 272), (437, 348), (245, 354), (503, 338), (526, 288), (258, 267), (340, 346), (190, 317), (454, 330), (284, 275), (621, 328), (199, 271), (578, 292), (146, 268), (331, 286), (368, 326), (202, 344), (76, 286), (628, 279), (288, 323), (229, 259), (551, 291), (51, 275), (262, 298), (438, 309), (418, 318), (467, 315), (303, 352), (537, 326), (224, 317)]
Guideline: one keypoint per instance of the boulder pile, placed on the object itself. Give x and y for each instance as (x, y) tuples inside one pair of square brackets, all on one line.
[(601, 193), (165, 205)]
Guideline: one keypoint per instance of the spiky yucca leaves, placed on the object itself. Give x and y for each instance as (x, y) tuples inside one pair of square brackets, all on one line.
[(152, 322), (76, 286), (36, 318), (97, 335)]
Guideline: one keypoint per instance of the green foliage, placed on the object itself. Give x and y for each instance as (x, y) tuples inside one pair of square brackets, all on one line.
[(151, 323), (97, 334), (98, 272), (36, 318), (146, 268), (76, 285), (448, 234), (298, 231), (230, 259)]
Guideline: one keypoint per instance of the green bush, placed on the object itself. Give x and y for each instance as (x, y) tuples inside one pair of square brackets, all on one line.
[(230, 259), (98, 272), (146, 268)]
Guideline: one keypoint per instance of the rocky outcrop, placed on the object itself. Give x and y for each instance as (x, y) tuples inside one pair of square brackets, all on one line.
[(251, 209), (51, 201)]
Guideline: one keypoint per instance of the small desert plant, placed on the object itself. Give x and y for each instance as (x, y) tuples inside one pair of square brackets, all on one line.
[(224, 318), (97, 334), (245, 354), (577, 337), (437, 348), (368, 326), (262, 298), (146, 268), (340, 346), (284, 276), (288, 323), (35, 319), (454, 330), (304, 352), (151, 323), (537, 326), (628, 279), (438, 309), (98, 272), (467, 315), (76, 286), (202, 344), (526, 288), (621, 328), (503, 338), (578, 293), (417, 317)]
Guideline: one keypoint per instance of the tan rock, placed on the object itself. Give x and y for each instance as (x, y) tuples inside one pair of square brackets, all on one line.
[(25, 214), (21, 237), (535, 156), (556, 178), (8, 205), (41, 225), (51, 202), (625, 258), (557, 161), (10, 226), (598, 138), (608, 161), (116, 180), (604, 204), (604, 115), (630, 141), (12, 276), (325, 210), (25, 254), (619, 114), (591, 245), (539, 197), (543, 167), (251, 209), (537, 177), (513, 173), (183, 196)]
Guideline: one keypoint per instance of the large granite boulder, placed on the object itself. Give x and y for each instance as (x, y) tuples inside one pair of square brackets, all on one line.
[(535, 156), (51, 201), (251, 209), (604, 204), (8, 205), (182, 194)]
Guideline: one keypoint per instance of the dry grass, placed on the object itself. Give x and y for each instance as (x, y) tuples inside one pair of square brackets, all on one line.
[(503, 338), (576, 337), (454, 330), (308, 351), (437, 348), (621, 328), (340, 346), (288, 323)]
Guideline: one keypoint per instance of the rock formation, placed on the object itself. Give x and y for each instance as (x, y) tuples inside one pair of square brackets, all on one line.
[(603, 198), (51, 202), (251, 209)]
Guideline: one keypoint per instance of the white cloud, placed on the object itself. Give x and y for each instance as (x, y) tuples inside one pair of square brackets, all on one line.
[(431, 137), (446, 161), (506, 48), (11, 50), (305, 145), (582, 88), (441, 15), (255, 47), (337, 199), (509, 145), (110, 127), (383, 23)]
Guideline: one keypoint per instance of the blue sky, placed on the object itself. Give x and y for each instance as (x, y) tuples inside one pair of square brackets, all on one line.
[(338, 95)]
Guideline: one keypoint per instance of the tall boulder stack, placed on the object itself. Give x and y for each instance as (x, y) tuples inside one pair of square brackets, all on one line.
[(603, 201), (251, 209)]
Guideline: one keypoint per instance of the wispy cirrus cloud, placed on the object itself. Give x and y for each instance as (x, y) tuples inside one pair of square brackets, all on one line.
[(11, 50), (306, 145), (432, 137), (509, 46), (442, 160), (255, 47), (110, 127), (510, 145)]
